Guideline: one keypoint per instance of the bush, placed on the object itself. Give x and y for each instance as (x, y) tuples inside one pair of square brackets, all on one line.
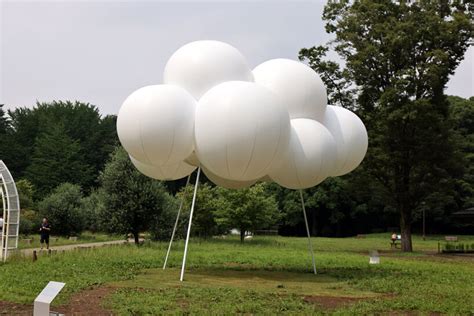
[(29, 222), (162, 226), (92, 206), (63, 208)]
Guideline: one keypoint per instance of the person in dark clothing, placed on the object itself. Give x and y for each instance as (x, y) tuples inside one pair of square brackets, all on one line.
[(45, 230)]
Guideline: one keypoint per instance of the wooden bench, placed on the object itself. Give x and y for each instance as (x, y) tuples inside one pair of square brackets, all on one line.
[(451, 238), (447, 239), (395, 242)]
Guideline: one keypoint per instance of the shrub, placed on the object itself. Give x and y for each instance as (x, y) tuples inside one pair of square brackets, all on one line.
[(63, 208)]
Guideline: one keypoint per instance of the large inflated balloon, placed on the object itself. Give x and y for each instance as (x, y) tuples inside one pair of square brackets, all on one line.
[(300, 87), (351, 138), (156, 124), (225, 183), (214, 112), (172, 171), (310, 158), (241, 131), (201, 65)]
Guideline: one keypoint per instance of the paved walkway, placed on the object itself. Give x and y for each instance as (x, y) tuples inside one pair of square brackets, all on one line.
[(29, 251)]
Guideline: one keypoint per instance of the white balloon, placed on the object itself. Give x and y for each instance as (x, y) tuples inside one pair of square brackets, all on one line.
[(226, 183), (201, 65), (172, 171), (351, 138), (156, 124), (241, 131), (310, 158), (300, 87)]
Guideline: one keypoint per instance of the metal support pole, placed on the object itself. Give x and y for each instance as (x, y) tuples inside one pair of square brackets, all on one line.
[(310, 245), (176, 222), (189, 225)]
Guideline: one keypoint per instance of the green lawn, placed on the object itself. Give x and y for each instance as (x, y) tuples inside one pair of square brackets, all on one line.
[(266, 275), (85, 237)]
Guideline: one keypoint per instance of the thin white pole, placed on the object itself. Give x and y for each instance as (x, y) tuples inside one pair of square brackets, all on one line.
[(176, 222), (310, 245), (189, 225)]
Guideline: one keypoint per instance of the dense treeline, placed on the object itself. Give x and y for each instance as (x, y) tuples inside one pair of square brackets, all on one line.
[(117, 198), (57, 142)]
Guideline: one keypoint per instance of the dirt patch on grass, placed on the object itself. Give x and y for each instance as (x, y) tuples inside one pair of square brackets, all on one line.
[(8, 308), (332, 302), (87, 302)]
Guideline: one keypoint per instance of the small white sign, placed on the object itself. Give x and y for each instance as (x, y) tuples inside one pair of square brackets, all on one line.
[(44, 299), (374, 257)]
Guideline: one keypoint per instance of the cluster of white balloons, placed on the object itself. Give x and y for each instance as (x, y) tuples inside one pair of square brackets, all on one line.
[(240, 126)]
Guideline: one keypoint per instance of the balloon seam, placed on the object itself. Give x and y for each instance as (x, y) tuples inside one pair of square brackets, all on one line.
[(172, 145), (253, 148), (141, 140)]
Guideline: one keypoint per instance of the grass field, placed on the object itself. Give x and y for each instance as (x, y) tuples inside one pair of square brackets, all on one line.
[(267, 275), (85, 237)]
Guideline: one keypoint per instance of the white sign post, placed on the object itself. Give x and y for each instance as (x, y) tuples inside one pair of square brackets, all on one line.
[(44, 299)]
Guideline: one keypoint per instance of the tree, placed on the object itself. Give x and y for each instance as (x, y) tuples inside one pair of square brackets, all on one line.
[(132, 201), (247, 209), (462, 115), (399, 56), (208, 202), (95, 137), (56, 159), (92, 207), (25, 193), (63, 209)]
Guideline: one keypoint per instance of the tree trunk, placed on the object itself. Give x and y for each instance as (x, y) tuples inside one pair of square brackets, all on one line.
[(242, 235), (136, 236), (405, 227)]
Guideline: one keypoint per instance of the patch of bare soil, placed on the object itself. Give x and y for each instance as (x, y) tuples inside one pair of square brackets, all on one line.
[(332, 302), (87, 302), (7, 308)]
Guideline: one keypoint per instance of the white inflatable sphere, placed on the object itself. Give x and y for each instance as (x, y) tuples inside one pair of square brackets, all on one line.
[(226, 183), (156, 124), (201, 65), (172, 171), (300, 87), (311, 156), (351, 138), (241, 131)]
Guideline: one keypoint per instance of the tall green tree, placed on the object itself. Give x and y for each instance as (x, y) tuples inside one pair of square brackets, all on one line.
[(247, 209), (132, 201), (80, 122), (56, 159), (208, 202), (462, 116), (398, 58)]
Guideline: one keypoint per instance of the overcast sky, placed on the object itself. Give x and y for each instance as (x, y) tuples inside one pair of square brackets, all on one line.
[(101, 51)]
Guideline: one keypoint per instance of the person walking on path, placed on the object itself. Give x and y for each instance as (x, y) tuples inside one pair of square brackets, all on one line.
[(45, 230)]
